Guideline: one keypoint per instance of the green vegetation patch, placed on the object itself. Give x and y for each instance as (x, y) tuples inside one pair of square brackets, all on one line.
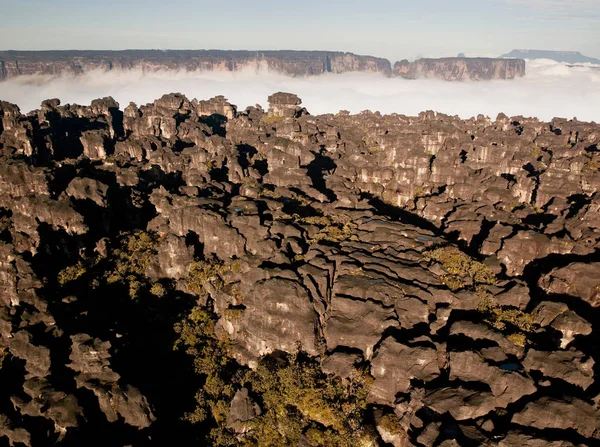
[(271, 119), (516, 323), (71, 273), (296, 398), (202, 272), (332, 228), (299, 399), (212, 360), (459, 266), (503, 318), (158, 289), (125, 264), (131, 258), (391, 424)]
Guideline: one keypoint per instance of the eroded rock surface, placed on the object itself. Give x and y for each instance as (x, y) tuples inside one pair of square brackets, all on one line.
[(453, 262)]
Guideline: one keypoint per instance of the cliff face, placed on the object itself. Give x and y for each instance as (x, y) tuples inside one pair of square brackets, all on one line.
[(439, 276), (294, 63), (460, 69)]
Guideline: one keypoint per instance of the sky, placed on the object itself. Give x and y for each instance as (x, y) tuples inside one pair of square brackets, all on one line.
[(394, 29)]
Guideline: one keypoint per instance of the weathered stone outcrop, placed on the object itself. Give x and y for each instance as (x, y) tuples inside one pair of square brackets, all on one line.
[(90, 357), (448, 264), (580, 280), (550, 413)]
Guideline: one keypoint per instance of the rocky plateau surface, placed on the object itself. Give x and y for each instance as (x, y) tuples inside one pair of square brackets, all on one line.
[(184, 272), (294, 63)]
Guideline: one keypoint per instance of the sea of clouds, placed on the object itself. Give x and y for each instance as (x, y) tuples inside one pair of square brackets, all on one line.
[(550, 89)]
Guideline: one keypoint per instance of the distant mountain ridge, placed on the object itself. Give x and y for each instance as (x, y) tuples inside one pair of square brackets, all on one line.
[(570, 57), (292, 63)]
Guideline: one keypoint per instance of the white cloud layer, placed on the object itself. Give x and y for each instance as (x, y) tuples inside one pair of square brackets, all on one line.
[(549, 89)]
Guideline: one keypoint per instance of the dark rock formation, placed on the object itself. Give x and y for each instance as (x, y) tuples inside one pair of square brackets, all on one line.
[(461, 68), (452, 265)]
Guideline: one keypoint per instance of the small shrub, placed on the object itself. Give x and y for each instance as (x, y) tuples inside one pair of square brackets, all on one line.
[(503, 316), (459, 265), (71, 273), (453, 282), (332, 228), (157, 289), (300, 201), (232, 314), (391, 424), (267, 193), (271, 119), (5, 224), (202, 272), (131, 259), (518, 339), (506, 318)]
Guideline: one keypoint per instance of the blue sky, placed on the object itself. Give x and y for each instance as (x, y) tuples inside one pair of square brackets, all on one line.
[(394, 29)]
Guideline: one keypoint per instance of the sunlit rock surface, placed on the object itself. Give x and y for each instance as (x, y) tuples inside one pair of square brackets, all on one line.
[(456, 261)]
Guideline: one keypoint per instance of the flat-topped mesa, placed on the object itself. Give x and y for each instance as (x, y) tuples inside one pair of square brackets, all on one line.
[(461, 68), (569, 57), (293, 63)]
